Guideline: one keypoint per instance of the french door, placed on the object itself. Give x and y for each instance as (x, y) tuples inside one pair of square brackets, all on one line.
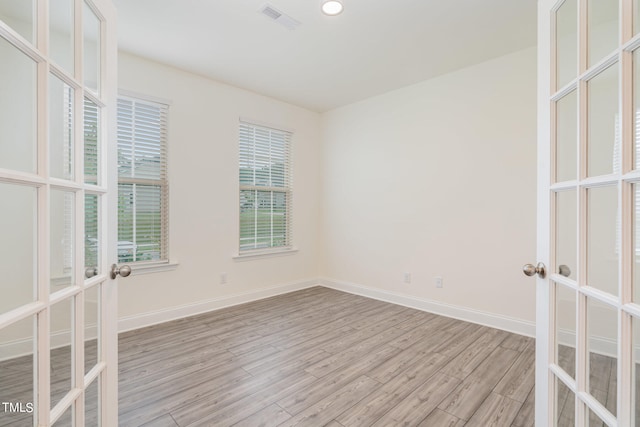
[(588, 303), (58, 318)]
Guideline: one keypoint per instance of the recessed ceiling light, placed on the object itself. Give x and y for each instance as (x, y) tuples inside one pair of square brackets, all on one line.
[(332, 7)]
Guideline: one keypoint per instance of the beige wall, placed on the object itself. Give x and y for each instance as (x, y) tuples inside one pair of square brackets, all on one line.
[(203, 150), (438, 179)]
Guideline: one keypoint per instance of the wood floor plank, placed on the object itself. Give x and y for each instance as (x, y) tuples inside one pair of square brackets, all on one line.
[(398, 363), (138, 409), (439, 418), (517, 342), (495, 411), (356, 351), (299, 362), (225, 395), (433, 326), (348, 340), (415, 407), (296, 403), (163, 421), (469, 359), (299, 347), (249, 404), (270, 416), (526, 414), (474, 389), (328, 408), (452, 344), (520, 378), (387, 396)]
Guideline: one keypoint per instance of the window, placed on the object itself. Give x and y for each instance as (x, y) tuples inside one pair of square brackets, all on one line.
[(265, 188), (142, 181)]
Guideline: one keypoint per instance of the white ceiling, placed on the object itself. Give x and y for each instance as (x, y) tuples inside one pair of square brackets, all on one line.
[(373, 47)]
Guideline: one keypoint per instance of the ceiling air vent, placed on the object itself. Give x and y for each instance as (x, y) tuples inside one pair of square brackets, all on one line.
[(279, 17)]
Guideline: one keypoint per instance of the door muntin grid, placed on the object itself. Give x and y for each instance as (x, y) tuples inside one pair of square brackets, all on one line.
[(600, 286), (51, 327)]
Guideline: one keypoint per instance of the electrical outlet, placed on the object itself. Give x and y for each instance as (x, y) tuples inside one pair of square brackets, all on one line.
[(438, 281), (223, 278), (407, 278)]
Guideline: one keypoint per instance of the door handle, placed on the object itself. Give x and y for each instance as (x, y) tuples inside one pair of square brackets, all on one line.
[(564, 270), (90, 272), (123, 271), (530, 270)]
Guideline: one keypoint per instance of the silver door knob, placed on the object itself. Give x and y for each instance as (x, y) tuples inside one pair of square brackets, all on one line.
[(564, 270), (530, 270), (123, 271), (90, 272)]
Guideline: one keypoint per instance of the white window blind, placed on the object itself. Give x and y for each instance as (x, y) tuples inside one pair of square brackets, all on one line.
[(91, 164), (265, 187), (143, 189)]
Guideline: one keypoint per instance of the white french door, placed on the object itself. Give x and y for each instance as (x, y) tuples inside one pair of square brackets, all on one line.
[(588, 304), (58, 303)]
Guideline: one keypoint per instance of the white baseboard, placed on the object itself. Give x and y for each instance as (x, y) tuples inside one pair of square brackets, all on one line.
[(154, 317), (484, 318)]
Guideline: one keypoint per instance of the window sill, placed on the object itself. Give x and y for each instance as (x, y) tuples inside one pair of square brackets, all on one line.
[(152, 267), (248, 256)]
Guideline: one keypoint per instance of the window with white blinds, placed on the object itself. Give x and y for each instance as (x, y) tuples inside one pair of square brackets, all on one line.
[(143, 190), (265, 188)]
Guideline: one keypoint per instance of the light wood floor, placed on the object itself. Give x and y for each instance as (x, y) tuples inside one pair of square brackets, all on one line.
[(314, 357), (321, 357)]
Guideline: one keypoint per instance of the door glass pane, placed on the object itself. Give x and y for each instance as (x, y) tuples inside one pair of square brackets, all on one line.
[(61, 33), (92, 404), (603, 28), (91, 69), (91, 236), (19, 15), (636, 243), (91, 325), (594, 420), (602, 240), (603, 148), (62, 239), (636, 16), (17, 109), (636, 108), (636, 370), (91, 142), (18, 222), (16, 373), (565, 405), (566, 329), (566, 43), (566, 137), (61, 343), (61, 140), (566, 233), (602, 341), (66, 420)]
